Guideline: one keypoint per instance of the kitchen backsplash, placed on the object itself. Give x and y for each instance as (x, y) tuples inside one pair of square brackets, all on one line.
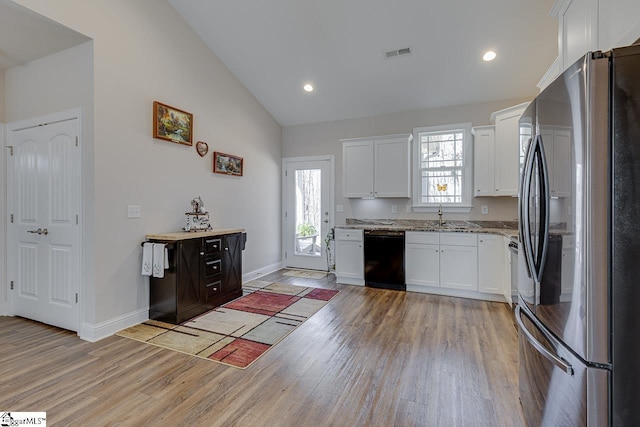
[(499, 209)]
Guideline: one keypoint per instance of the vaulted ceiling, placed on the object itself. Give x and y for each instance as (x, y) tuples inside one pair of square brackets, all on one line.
[(275, 47), (338, 46)]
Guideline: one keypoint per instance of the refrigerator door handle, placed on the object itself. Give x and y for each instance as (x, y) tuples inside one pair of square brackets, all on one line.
[(545, 198), (525, 230), (556, 360)]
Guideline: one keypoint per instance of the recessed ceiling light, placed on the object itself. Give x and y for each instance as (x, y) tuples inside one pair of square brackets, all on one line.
[(308, 87), (489, 55)]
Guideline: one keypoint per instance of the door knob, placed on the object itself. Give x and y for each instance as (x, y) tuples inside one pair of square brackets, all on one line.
[(39, 231)]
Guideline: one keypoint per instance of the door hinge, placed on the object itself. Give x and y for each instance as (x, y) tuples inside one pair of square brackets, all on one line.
[(12, 285), (11, 218), (76, 297), (10, 147), (76, 141), (285, 255), (76, 219)]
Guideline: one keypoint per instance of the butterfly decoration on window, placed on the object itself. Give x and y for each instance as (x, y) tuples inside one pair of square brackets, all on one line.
[(441, 187)]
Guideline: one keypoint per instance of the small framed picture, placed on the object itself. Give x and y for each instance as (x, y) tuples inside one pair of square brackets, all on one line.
[(172, 124), (227, 164)]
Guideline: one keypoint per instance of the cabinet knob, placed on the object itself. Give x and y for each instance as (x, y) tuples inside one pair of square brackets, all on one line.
[(226, 249), (201, 253), (215, 267)]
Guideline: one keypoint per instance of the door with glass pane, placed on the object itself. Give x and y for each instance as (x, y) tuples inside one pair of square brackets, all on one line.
[(308, 212)]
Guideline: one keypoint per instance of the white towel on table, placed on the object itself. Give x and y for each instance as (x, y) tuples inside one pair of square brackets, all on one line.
[(147, 259), (159, 257)]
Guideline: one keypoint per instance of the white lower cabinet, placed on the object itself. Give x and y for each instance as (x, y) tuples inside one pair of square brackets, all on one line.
[(446, 260), (458, 264), (422, 258), (459, 261), (491, 264), (349, 256)]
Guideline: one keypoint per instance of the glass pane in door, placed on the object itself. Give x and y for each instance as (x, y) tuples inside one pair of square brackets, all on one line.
[(308, 210)]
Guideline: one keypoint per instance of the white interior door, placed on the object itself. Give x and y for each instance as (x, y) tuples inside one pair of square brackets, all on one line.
[(308, 211), (44, 232)]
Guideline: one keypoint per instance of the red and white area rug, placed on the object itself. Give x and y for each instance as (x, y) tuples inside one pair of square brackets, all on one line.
[(239, 332)]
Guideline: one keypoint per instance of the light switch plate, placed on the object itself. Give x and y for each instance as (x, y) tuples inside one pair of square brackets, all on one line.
[(133, 211), (394, 209), (485, 210), (339, 208)]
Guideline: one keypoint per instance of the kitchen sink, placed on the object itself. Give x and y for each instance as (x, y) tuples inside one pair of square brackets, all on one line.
[(457, 225)]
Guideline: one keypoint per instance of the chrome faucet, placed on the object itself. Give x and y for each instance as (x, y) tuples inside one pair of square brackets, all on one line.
[(440, 222)]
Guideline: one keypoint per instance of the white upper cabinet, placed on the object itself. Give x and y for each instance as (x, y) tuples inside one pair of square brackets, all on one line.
[(357, 158), (497, 154), (377, 166), (483, 160), (507, 158), (588, 25)]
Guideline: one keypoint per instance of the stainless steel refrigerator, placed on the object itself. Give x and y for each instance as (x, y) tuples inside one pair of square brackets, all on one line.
[(579, 207)]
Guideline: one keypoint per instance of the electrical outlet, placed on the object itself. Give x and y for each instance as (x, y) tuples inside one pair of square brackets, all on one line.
[(339, 208), (133, 211), (485, 210), (394, 209)]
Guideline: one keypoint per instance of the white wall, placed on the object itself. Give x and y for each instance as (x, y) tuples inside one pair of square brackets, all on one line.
[(144, 52), (323, 138)]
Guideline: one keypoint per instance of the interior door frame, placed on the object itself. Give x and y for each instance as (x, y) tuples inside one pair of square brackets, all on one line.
[(71, 114), (4, 289), (286, 161)]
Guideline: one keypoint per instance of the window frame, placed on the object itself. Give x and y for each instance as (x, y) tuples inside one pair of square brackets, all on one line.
[(467, 170)]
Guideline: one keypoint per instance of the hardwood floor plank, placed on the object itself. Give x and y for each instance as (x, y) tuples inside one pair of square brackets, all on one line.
[(370, 357)]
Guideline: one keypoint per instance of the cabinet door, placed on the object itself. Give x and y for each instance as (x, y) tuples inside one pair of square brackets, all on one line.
[(490, 264), (459, 267), (188, 288), (507, 153), (357, 172), (391, 171), (232, 263), (350, 261), (422, 264), (483, 165)]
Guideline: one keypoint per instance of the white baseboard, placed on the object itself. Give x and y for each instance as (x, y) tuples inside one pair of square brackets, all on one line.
[(256, 274), (95, 332)]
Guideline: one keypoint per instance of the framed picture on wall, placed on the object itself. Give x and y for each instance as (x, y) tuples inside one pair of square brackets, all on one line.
[(227, 164), (172, 124)]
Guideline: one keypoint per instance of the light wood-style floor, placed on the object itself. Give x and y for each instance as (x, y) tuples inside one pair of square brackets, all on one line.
[(369, 358)]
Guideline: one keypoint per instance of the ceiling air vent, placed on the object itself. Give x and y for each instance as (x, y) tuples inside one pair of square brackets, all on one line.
[(395, 53)]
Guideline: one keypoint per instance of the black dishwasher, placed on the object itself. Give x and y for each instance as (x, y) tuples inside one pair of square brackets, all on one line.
[(384, 259)]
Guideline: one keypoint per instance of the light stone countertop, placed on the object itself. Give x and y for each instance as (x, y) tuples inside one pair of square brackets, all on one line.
[(503, 228), (183, 235)]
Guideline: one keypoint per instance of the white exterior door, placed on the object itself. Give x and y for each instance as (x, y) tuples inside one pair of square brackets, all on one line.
[(308, 211), (44, 234)]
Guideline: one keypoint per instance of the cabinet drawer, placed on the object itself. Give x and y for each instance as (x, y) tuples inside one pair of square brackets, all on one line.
[(458, 239), (212, 245), (422, 237), (348, 234), (212, 267), (212, 290)]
